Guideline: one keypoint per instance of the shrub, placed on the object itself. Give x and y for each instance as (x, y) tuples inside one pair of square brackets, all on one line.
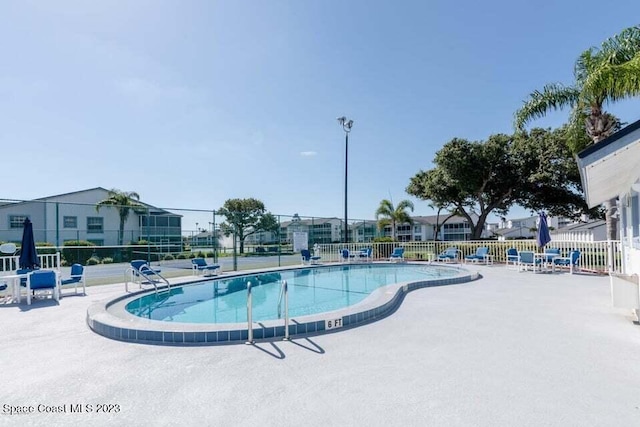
[(107, 260), (200, 254), (210, 254), (181, 256), (93, 261), (168, 257), (45, 248), (192, 255), (82, 251)]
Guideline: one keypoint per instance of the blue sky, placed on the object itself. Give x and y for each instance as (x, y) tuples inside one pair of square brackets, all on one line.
[(190, 103)]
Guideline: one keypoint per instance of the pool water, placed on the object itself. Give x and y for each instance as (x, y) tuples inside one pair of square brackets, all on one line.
[(311, 291)]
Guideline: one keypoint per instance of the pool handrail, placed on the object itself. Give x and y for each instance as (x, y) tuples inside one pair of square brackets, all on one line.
[(145, 272)]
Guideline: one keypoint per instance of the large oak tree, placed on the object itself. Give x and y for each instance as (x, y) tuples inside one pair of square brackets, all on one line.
[(534, 170)]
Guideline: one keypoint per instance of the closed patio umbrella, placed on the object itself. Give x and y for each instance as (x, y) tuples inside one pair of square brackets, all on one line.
[(542, 236), (28, 255)]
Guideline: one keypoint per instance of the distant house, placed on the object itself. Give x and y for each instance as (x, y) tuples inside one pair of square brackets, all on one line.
[(320, 230), (523, 228), (73, 216), (455, 228), (590, 231)]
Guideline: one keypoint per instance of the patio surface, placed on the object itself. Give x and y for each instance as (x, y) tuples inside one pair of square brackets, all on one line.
[(509, 349)]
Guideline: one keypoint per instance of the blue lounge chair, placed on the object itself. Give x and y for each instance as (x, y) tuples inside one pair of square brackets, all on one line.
[(513, 259), (481, 255), (140, 269), (449, 255), (366, 255), (199, 265), (528, 259), (43, 281), (77, 277), (571, 261), (397, 254), (307, 258)]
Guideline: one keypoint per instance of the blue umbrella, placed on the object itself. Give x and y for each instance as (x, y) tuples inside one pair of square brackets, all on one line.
[(542, 236), (28, 254)]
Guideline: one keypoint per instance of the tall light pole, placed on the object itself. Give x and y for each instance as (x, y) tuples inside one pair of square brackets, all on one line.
[(346, 126)]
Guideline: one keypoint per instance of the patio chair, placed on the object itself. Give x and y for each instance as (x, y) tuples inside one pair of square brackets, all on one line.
[(449, 255), (528, 259), (345, 255), (397, 254), (307, 258), (571, 261), (76, 277), (199, 265), (8, 258), (44, 281), (366, 255), (482, 254), (513, 259)]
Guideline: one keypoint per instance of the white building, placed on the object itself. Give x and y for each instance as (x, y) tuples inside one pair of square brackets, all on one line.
[(73, 216), (610, 170)]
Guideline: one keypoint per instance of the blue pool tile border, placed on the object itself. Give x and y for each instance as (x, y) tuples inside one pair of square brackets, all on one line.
[(147, 332)]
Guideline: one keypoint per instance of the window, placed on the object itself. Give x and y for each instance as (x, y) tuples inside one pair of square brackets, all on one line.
[(17, 221), (70, 222), (418, 238), (95, 224), (417, 229)]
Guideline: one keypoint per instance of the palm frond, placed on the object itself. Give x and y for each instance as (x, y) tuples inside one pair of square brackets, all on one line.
[(385, 209), (552, 97), (617, 82), (405, 204), (621, 48)]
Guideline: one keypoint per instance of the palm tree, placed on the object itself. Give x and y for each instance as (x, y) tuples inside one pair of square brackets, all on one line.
[(387, 214), (124, 201), (603, 75)]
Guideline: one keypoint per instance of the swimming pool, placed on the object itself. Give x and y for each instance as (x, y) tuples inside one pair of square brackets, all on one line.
[(311, 291), (320, 299)]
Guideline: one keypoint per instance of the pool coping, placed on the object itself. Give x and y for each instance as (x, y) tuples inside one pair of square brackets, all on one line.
[(379, 304)]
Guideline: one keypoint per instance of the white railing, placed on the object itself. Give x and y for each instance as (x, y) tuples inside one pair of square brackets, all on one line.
[(576, 236), (12, 263), (593, 255)]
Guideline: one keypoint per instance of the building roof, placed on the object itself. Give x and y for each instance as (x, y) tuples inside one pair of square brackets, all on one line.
[(312, 221), (44, 199), (433, 219), (582, 226), (610, 167)]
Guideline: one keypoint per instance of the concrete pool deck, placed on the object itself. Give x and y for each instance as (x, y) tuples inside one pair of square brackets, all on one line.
[(508, 349)]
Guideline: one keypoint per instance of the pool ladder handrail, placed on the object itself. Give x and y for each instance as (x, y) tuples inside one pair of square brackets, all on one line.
[(284, 296), (280, 300), (141, 272)]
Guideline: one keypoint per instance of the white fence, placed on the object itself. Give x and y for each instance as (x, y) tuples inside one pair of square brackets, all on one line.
[(12, 263), (575, 236), (594, 255)]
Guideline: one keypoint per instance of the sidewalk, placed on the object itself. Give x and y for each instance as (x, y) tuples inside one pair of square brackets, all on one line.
[(509, 349)]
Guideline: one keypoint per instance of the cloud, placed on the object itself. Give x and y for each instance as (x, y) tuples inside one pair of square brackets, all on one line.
[(308, 153)]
